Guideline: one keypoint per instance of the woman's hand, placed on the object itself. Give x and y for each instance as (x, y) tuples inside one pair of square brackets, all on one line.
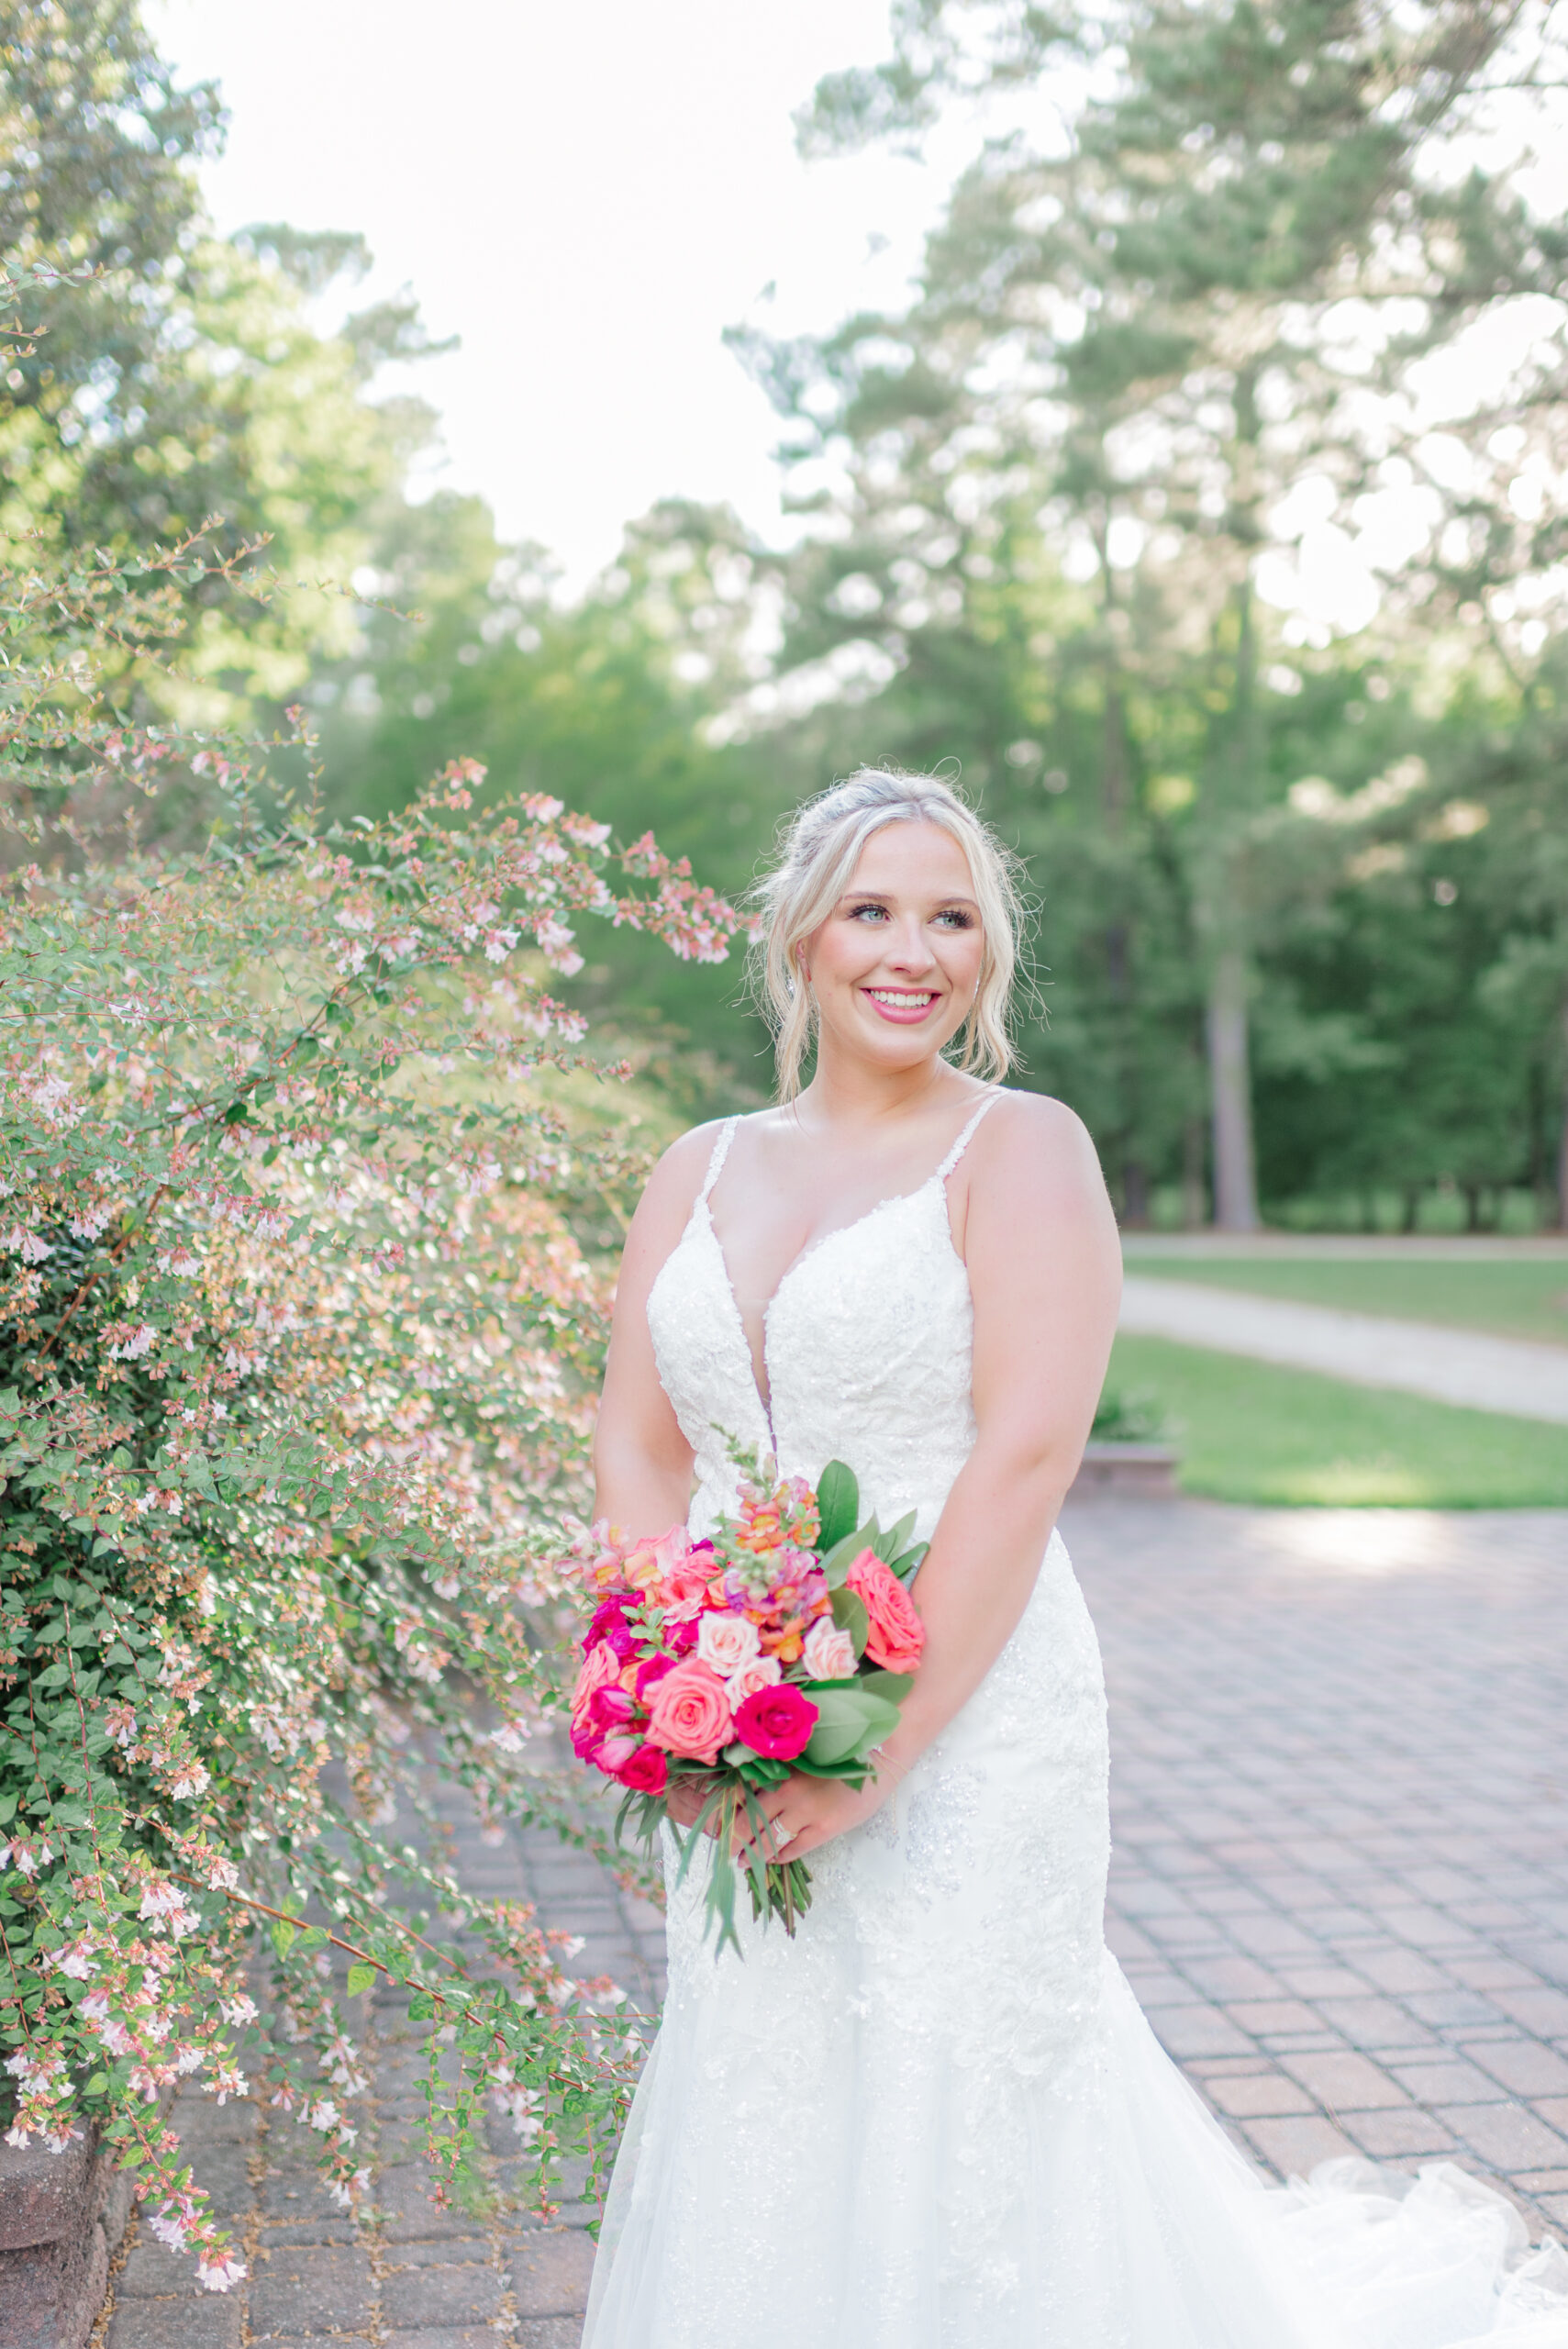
[(805, 1811)]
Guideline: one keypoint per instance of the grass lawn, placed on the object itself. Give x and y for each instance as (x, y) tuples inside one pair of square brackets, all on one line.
[(1523, 1298), (1248, 1431)]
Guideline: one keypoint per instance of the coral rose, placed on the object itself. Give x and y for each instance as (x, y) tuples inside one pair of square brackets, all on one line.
[(829, 1653), (726, 1642), (777, 1723), (600, 1666), (897, 1636), (689, 1714)]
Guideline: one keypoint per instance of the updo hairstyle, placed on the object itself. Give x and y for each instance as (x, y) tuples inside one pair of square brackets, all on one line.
[(819, 847)]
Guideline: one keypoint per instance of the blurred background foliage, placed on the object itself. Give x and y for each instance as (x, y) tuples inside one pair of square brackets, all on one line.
[(1303, 896)]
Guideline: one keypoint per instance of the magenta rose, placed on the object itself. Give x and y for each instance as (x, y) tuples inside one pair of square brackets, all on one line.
[(646, 1771), (610, 1625), (689, 1714), (607, 1707), (776, 1721), (587, 1738), (680, 1637), (650, 1673), (898, 1637)]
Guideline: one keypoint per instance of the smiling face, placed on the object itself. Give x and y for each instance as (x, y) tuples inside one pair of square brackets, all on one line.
[(896, 965)]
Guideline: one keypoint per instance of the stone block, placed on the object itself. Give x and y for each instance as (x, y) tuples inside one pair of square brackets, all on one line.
[(551, 2272), (452, 2295), (304, 2291), (214, 2321)]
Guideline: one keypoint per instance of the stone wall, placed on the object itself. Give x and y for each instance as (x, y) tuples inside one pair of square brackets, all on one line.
[(60, 2216)]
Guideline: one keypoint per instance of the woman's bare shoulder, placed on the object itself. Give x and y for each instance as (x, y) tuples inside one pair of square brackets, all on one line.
[(1032, 1147)]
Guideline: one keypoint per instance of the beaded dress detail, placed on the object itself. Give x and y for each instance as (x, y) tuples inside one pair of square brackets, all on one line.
[(937, 2119)]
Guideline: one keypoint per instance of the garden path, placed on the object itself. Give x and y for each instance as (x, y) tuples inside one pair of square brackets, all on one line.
[(1516, 1375), (1340, 1887)]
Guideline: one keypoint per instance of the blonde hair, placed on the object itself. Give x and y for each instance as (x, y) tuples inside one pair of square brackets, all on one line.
[(819, 847)]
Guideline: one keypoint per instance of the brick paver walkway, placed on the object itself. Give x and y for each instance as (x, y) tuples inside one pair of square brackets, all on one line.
[(1339, 1887)]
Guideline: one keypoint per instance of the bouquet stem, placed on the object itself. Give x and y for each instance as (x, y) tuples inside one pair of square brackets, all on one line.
[(785, 1893)]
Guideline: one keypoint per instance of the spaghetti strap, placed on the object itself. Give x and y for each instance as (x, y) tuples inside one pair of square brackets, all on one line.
[(962, 1144), (720, 1153)]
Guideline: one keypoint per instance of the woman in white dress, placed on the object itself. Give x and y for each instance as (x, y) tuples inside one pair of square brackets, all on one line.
[(936, 2118)]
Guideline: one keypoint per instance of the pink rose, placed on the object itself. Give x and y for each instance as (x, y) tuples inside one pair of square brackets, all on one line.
[(726, 1642), (650, 1561), (682, 1589), (646, 1771), (762, 1672), (689, 1713), (897, 1636), (600, 1666), (777, 1723), (829, 1653), (617, 1750)]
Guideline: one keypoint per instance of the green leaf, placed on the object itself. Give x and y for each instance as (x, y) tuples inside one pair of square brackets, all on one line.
[(421, 2007), (97, 2084), (837, 1503), (850, 1721), (894, 1685), (836, 1562), (284, 1936), (850, 1614), (360, 1975), (888, 1545)]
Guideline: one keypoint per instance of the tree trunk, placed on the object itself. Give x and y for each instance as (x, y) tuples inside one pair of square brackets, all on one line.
[(1563, 1138), (1194, 1189), (1230, 1097)]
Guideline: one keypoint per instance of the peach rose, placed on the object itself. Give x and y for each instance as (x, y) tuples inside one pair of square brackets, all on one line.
[(897, 1636), (726, 1642), (829, 1653), (762, 1672), (689, 1713)]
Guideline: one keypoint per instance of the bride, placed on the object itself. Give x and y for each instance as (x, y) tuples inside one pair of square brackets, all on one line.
[(936, 2118)]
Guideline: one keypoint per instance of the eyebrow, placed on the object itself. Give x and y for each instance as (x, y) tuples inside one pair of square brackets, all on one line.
[(957, 899)]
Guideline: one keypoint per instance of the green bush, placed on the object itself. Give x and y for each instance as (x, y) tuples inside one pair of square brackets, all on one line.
[(297, 1354)]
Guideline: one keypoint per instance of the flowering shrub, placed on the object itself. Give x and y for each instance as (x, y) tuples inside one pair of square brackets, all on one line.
[(297, 1354)]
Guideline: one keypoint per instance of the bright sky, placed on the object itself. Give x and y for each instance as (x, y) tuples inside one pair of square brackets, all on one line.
[(586, 193)]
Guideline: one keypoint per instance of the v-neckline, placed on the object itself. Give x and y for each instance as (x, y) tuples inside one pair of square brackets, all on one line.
[(701, 1209)]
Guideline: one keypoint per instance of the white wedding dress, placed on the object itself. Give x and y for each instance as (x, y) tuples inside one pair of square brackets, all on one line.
[(937, 2118)]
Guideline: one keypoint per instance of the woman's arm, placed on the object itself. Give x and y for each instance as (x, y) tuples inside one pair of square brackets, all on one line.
[(1045, 1271), (642, 1463)]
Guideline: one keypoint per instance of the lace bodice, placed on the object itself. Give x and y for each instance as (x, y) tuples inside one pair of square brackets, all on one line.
[(867, 1337)]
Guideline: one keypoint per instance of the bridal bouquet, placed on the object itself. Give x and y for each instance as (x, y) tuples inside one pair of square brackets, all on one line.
[(785, 1640)]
